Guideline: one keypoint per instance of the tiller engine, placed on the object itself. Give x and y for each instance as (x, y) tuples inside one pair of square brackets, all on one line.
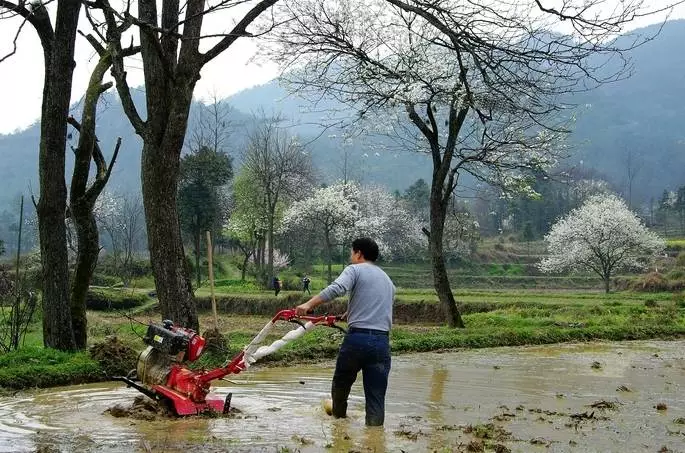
[(162, 375)]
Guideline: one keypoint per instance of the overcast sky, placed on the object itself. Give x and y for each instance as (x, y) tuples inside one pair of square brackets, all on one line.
[(21, 76)]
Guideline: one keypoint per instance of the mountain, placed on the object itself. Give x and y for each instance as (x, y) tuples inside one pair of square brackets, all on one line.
[(641, 117)]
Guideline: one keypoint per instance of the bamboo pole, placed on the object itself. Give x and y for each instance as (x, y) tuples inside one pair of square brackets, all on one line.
[(211, 279)]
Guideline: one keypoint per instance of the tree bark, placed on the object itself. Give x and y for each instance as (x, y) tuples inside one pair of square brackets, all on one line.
[(440, 278), (198, 275), (86, 259), (59, 67), (270, 243), (170, 270), (329, 258)]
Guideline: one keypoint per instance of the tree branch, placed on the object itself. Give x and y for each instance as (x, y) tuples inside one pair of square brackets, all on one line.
[(238, 31)]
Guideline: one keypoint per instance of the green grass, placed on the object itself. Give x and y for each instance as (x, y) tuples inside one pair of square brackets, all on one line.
[(492, 317), (42, 367)]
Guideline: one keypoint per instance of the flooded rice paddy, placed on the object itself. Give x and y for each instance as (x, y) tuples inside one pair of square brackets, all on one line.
[(592, 397)]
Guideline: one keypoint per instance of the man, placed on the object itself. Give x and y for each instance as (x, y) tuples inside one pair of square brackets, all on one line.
[(366, 346), (305, 285), (277, 286)]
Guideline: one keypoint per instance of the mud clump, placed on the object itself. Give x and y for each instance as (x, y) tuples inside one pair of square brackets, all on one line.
[(142, 409), (661, 407), (216, 342), (115, 358)]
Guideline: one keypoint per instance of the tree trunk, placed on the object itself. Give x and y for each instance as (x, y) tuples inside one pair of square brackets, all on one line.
[(607, 283), (172, 277), (59, 67), (242, 273), (165, 134), (329, 258), (198, 274), (270, 245), (86, 259), (440, 279)]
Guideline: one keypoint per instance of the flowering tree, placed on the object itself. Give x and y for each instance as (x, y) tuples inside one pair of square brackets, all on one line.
[(331, 211), (602, 236), (340, 212), (475, 85), (386, 218)]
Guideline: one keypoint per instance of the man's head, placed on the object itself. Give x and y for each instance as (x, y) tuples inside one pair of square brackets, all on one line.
[(363, 249)]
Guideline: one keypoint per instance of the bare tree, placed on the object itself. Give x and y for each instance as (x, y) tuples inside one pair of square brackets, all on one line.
[(475, 85), (281, 167), (213, 125), (58, 44), (123, 222), (172, 61), (633, 163)]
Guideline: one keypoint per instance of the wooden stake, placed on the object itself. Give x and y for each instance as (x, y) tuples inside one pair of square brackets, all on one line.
[(211, 279)]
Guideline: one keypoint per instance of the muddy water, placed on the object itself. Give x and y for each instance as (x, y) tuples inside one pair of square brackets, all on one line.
[(530, 395)]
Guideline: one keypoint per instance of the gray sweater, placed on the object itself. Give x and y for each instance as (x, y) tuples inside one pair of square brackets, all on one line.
[(371, 296)]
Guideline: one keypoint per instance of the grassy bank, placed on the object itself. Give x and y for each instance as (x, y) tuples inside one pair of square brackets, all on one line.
[(493, 318)]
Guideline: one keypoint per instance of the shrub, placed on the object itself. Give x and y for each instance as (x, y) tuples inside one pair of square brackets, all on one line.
[(676, 274), (102, 299), (653, 282)]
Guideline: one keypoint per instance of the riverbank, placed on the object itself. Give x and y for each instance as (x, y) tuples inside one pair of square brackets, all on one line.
[(494, 319)]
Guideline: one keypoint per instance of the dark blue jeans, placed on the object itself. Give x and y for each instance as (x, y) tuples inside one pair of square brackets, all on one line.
[(370, 354)]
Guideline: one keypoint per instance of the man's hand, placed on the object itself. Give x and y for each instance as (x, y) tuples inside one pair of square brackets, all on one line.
[(308, 306), (303, 309)]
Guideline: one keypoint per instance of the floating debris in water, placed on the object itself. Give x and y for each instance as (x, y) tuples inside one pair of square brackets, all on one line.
[(596, 365), (604, 404), (661, 406), (623, 388), (539, 441), (499, 448), (475, 446)]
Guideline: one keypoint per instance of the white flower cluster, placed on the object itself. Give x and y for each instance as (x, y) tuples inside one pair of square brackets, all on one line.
[(601, 236), (342, 211)]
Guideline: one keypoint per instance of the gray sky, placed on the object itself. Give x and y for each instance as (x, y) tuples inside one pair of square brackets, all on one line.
[(22, 74)]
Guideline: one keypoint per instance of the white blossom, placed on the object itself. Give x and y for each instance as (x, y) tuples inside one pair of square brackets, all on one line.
[(601, 236)]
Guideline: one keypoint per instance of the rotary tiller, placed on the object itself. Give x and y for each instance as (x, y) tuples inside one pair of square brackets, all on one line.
[(162, 374)]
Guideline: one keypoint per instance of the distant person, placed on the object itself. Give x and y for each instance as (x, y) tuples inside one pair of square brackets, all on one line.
[(366, 346), (277, 286), (305, 285)]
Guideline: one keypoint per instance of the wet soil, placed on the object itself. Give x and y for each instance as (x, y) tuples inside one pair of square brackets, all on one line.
[(526, 399)]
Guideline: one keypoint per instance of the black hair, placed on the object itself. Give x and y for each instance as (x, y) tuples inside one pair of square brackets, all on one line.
[(367, 247)]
